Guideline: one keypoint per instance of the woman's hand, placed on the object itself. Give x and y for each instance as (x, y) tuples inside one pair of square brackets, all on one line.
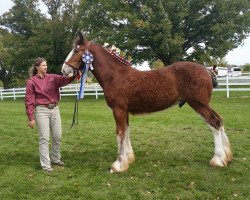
[(79, 74), (32, 124)]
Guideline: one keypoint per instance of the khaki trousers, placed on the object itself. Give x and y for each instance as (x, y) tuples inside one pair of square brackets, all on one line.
[(48, 120)]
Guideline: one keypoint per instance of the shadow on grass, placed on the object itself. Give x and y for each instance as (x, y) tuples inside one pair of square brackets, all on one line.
[(101, 159), (93, 160), (20, 160)]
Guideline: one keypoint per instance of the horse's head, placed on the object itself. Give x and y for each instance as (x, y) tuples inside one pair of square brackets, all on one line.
[(74, 61)]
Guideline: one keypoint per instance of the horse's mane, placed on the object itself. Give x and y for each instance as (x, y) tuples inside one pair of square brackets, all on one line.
[(117, 56), (114, 54)]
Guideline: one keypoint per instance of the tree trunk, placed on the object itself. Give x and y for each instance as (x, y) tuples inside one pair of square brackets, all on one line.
[(4, 78), (169, 60), (6, 83), (166, 61)]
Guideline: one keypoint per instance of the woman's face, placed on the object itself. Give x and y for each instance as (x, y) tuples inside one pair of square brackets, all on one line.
[(42, 68)]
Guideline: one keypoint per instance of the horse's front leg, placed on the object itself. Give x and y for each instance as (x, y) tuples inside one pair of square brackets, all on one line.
[(129, 149), (122, 162)]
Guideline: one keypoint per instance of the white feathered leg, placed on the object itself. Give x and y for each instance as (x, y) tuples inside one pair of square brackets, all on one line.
[(121, 164), (129, 149), (226, 145), (220, 158)]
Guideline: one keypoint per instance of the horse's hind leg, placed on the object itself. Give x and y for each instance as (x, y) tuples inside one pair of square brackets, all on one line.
[(222, 150), (122, 162), (226, 144)]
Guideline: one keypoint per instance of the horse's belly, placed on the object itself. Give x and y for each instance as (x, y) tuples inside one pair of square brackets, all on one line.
[(150, 103)]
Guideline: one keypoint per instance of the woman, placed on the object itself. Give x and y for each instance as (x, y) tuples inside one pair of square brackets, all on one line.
[(41, 101)]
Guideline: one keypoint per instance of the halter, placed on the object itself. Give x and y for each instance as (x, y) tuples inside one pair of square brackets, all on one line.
[(66, 62), (77, 68)]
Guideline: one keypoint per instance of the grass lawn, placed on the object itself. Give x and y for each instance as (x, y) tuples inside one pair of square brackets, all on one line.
[(172, 149)]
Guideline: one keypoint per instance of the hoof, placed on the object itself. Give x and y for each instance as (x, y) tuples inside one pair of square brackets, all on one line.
[(131, 158), (229, 154), (217, 162), (230, 157), (119, 166)]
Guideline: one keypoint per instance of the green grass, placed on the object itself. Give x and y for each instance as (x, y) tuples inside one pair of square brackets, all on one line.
[(172, 149)]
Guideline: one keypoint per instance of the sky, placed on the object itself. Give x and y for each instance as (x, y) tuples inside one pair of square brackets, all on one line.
[(238, 56)]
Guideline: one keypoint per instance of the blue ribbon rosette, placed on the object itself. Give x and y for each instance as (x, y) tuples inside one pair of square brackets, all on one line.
[(87, 58)]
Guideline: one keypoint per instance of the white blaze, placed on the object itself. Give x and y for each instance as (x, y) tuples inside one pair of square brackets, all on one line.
[(66, 70)]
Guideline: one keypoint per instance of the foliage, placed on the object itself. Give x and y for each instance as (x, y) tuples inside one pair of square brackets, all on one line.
[(18, 23), (22, 17), (246, 67), (172, 151), (32, 34), (152, 30), (168, 30), (156, 64), (62, 27), (12, 58), (219, 62)]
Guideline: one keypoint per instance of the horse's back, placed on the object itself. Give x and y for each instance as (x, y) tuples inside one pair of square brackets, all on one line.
[(179, 76), (190, 72)]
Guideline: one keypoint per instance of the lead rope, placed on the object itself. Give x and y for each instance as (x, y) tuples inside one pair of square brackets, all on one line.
[(75, 114), (87, 59)]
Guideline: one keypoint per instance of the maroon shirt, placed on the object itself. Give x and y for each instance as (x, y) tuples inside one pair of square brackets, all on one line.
[(42, 91)]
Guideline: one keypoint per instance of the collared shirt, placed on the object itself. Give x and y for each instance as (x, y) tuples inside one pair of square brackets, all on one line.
[(43, 91)]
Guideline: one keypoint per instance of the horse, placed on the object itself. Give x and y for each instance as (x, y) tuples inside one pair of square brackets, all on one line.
[(130, 91)]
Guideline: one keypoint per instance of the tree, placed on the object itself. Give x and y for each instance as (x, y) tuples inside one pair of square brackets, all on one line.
[(60, 30), (246, 67), (29, 34), (22, 17), (18, 24), (171, 31)]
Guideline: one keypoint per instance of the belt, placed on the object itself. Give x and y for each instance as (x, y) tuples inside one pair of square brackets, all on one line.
[(49, 106)]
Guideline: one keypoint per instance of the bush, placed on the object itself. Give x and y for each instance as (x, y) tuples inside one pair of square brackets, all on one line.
[(246, 67)]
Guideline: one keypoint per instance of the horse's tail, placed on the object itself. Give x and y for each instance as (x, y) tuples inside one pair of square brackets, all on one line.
[(214, 79)]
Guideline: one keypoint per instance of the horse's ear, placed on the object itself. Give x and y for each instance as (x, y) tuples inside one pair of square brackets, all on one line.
[(81, 37)]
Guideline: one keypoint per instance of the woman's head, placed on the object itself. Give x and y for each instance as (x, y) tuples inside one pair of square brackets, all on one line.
[(39, 65)]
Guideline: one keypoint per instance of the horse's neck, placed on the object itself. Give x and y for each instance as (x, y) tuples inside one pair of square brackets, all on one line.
[(107, 71)]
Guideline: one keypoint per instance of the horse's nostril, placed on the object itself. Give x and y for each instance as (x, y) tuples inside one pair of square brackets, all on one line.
[(63, 72)]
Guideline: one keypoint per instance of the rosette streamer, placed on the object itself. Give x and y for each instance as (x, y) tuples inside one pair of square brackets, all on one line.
[(87, 59)]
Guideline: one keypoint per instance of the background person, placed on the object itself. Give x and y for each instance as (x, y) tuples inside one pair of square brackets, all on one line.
[(214, 70), (41, 101)]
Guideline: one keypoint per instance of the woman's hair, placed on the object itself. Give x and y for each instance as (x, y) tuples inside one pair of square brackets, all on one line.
[(33, 68)]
